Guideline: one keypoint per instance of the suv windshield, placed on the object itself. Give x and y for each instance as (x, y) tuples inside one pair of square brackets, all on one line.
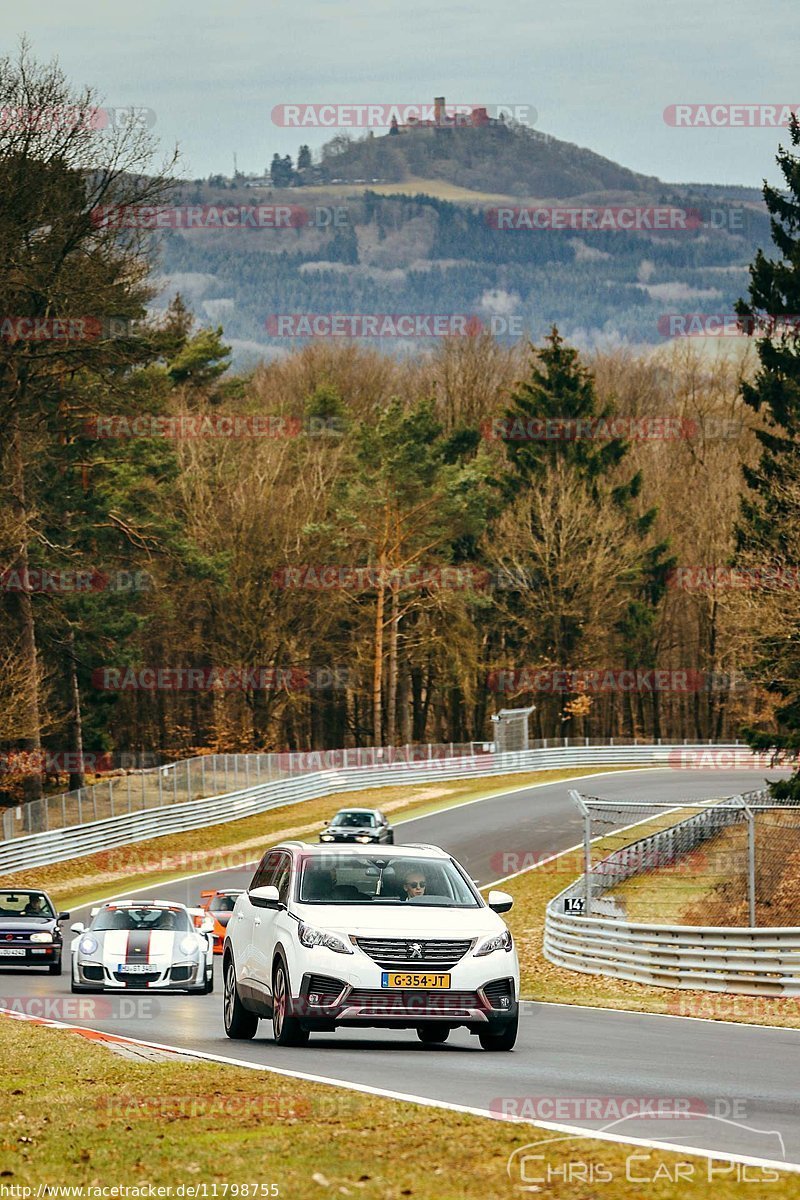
[(25, 904), (353, 820), (435, 883), (142, 918)]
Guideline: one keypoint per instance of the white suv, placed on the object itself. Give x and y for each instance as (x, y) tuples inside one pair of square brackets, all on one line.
[(363, 936)]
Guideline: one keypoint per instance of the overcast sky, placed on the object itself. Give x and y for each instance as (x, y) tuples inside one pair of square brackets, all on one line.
[(598, 72)]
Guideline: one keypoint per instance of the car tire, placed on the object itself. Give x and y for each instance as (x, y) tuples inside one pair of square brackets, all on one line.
[(239, 1023), (432, 1034), (500, 1039), (286, 1030), (54, 968)]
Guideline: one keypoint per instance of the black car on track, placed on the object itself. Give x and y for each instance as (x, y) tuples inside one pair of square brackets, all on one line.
[(363, 825), (29, 930)]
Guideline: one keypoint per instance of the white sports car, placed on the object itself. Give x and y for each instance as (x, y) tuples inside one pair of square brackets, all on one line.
[(142, 944)]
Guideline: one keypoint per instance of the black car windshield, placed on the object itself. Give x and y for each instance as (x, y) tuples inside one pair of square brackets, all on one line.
[(433, 883), (353, 820), (25, 904), (142, 918)]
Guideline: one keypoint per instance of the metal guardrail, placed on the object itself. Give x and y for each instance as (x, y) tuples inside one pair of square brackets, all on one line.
[(217, 774), (55, 845), (748, 961)]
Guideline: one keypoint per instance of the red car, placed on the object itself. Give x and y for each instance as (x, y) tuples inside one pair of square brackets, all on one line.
[(218, 903)]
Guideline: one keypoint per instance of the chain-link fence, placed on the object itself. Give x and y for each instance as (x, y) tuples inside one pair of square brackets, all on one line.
[(197, 778), (730, 862)]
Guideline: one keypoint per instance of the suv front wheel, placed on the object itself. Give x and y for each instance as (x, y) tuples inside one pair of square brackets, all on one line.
[(502, 1038), (286, 1029)]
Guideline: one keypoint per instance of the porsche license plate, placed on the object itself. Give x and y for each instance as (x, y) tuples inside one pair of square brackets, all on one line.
[(135, 969), (9, 953), (414, 979)]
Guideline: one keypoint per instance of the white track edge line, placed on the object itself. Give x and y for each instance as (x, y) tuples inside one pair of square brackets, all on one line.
[(428, 1102)]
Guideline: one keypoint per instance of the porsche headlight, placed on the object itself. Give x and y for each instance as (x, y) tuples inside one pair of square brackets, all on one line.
[(501, 941), (190, 944), (309, 936), (87, 945), (41, 937)]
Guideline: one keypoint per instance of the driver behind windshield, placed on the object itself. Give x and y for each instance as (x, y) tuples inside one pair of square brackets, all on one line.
[(414, 884), (37, 906)]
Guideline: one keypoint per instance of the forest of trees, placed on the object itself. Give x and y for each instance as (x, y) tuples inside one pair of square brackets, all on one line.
[(345, 548)]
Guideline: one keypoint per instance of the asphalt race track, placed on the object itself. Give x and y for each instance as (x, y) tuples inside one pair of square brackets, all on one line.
[(744, 1077)]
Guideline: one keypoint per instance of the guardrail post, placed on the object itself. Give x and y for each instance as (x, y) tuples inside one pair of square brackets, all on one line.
[(111, 796), (160, 787), (63, 811), (203, 775), (94, 800), (143, 788), (129, 794), (174, 783)]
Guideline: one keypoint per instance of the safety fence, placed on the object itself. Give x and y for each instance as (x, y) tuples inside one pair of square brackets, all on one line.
[(300, 781), (732, 861)]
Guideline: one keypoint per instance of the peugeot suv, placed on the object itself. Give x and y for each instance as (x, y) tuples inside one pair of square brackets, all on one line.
[(397, 937)]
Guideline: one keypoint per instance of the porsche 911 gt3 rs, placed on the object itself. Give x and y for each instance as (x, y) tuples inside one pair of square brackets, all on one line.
[(149, 945)]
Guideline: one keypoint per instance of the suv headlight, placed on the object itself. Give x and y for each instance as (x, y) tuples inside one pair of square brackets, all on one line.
[(41, 937), (326, 837), (364, 838), (309, 936), (501, 941)]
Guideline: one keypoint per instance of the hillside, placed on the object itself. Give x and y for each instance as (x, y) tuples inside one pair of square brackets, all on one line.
[(422, 239), (512, 160)]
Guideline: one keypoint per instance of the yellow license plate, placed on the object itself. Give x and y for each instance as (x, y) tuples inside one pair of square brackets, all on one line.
[(414, 979)]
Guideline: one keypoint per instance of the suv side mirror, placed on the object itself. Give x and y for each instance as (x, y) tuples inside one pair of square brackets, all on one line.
[(63, 916), (264, 897), (78, 927), (500, 902)]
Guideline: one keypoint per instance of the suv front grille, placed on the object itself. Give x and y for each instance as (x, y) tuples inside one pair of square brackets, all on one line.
[(383, 1001), (441, 954)]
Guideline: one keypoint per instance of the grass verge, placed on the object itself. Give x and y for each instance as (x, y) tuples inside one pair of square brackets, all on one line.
[(233, 844), (73, 1114), (544, 981)]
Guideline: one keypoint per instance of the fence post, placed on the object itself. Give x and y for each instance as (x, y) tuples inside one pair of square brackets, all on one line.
[(111, 796), (129, 793), (751, 864), (144, 794), (160, 788), (587, 848), (175, 783), (203, 774)]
